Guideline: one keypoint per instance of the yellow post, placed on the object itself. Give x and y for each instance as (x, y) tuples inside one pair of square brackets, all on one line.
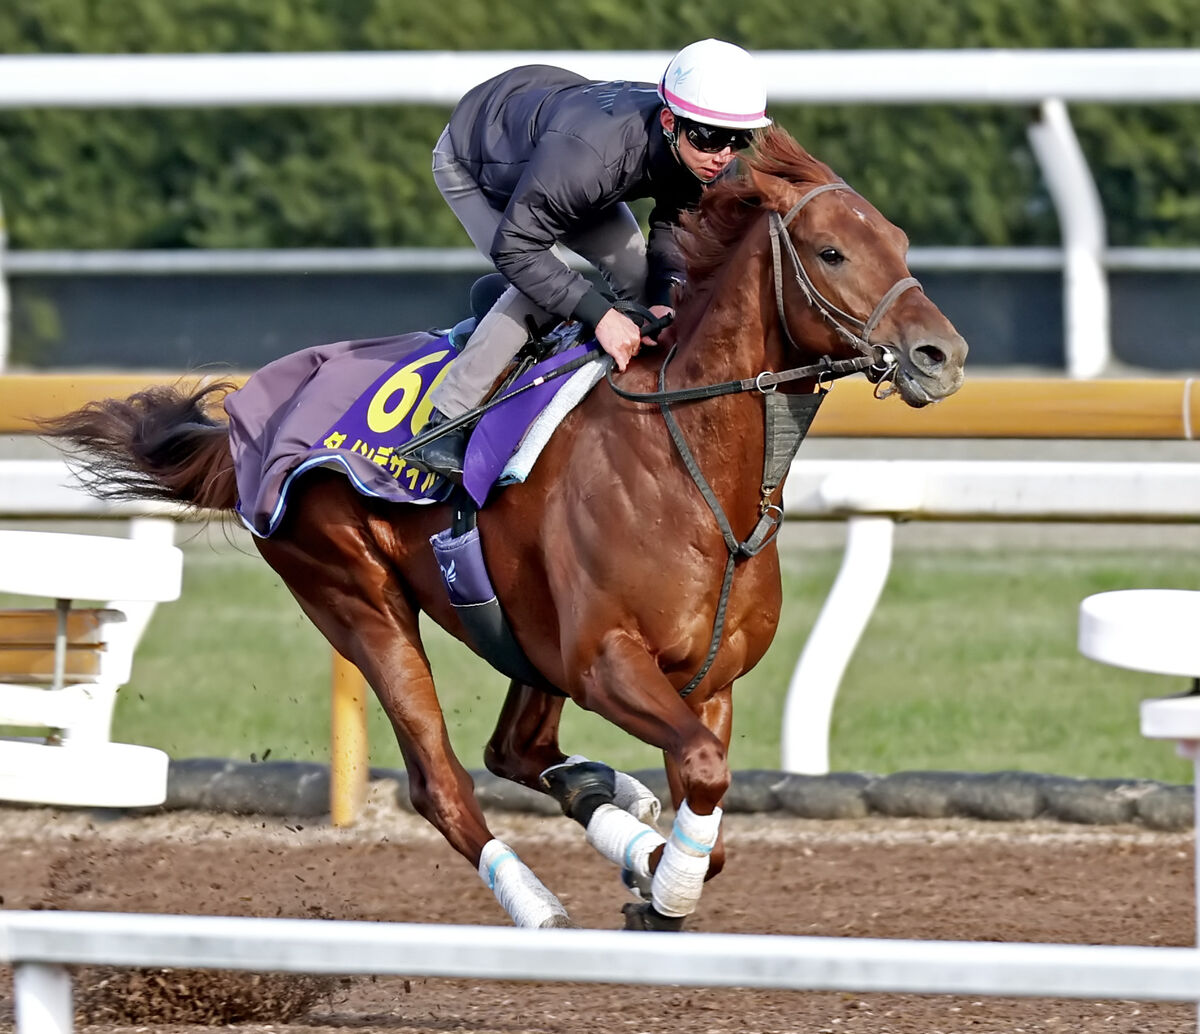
[(350, 759)]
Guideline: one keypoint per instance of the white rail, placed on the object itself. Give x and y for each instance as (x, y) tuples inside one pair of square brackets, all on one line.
[(871, 495), (40, 944), (993, 76)]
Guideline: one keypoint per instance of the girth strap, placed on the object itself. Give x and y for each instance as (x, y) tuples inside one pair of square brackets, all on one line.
[(459, 554)]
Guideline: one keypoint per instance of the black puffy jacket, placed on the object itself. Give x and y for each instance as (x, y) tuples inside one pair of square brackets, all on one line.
[(550, 150)]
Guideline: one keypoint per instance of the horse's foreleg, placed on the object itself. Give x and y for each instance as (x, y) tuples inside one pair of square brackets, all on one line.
[(623, 683), (716, 713)]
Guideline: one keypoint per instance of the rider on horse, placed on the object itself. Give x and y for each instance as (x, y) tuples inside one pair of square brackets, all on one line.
[(539, 156)]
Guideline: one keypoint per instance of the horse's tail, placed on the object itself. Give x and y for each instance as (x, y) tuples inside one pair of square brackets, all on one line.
[(160, 443)]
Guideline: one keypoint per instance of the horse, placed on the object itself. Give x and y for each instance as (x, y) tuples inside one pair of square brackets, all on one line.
[(636, 564)]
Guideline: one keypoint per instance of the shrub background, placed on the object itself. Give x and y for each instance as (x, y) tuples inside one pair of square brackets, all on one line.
[(359, 177)]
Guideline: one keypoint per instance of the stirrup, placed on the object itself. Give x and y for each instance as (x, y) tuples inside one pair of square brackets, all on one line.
[(443, 455)]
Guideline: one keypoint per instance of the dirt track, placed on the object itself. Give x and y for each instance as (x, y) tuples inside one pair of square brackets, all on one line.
[(872, 878)]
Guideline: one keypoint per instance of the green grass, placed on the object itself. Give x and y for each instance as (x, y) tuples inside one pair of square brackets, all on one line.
[(969, 663)]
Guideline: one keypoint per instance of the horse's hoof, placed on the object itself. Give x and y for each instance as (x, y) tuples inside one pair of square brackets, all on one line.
[(646, 917), (638, 886), (559, 921)]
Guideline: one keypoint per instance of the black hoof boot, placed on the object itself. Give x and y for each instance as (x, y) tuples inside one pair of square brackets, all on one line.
[(581, 788), (646, 917), (445, 454)]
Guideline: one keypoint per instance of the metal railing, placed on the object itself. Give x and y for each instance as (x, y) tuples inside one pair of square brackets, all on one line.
[(41, 945)]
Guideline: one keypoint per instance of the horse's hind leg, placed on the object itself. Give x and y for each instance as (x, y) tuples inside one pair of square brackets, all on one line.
[(524, 748), (525, 740), (347, 588)]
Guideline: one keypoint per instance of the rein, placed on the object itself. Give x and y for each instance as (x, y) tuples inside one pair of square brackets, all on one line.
[(787, 417)]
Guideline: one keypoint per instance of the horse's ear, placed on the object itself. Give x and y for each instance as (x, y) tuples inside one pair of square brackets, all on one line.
[(772, 192)]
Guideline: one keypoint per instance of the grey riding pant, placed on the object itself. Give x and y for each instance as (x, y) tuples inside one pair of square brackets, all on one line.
[(613, 244)]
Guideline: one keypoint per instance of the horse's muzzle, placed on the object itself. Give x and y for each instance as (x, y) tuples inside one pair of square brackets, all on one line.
[(930, 371)]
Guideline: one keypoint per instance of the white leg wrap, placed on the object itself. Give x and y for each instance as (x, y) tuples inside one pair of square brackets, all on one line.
[(631, 796), (679, 877), (623, 839), (521, 894), (636, 799)]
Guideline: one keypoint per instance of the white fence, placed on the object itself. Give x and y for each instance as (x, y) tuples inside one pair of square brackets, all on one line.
[(40, 945), (993, 76), (871, 495), (1044, 79)]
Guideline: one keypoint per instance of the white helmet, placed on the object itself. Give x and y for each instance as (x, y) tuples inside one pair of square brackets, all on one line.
[(716, 83)]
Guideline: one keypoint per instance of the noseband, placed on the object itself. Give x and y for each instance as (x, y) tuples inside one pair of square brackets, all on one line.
[(857, 332)]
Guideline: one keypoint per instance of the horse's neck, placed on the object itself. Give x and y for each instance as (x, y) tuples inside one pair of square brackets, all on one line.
[(729, 332)]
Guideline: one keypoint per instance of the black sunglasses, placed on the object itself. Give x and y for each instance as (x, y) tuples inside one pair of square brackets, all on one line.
[(714, 139)]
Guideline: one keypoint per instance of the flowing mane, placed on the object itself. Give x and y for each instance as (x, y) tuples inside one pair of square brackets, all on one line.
[(707, 234)]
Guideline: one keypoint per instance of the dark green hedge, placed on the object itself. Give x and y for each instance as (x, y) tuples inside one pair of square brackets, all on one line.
[(360, 177)]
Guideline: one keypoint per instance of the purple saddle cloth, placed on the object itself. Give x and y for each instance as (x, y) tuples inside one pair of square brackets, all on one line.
[(350, 406)]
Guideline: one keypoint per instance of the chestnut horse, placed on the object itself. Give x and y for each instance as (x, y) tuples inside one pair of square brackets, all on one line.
[(620, 563)]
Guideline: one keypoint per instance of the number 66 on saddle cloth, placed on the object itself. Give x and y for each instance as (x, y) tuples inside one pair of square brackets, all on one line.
[(353, 405)]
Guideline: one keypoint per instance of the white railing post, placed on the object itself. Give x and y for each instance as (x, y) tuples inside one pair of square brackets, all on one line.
[(1081, 219), (42, 999), (4, 304), (808, 709)]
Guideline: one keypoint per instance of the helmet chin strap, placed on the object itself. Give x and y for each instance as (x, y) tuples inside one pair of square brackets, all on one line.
[(673, 140)]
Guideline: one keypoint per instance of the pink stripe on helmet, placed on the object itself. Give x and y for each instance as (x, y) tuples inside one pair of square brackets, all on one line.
[(675, 101)]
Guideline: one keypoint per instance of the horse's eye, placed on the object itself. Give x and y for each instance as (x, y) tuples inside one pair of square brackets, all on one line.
[(832, 257)]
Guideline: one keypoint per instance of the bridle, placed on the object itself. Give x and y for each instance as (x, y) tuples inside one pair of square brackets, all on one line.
[(857, 332)]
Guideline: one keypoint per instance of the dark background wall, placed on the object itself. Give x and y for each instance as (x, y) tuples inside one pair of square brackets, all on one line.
[(184, 322)]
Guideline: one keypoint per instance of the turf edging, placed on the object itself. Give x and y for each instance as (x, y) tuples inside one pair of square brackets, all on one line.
[(302, 788)]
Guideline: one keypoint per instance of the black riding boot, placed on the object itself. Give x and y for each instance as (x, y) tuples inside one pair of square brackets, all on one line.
[(443, 455)]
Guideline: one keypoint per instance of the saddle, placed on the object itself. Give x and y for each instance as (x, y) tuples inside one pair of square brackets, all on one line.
[(353, 406)]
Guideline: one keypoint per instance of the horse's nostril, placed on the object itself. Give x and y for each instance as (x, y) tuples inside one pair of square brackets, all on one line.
[(931, 356)]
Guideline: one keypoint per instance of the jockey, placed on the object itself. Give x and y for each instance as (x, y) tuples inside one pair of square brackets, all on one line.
[(539, 156)]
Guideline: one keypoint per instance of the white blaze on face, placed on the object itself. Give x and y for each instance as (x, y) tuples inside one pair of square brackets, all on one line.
[(860, 213)]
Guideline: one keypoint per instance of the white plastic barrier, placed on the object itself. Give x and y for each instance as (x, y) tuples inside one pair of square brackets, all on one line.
[(871, 495), (1154, 630), (47, 488), (76, 764), (40, 944)]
